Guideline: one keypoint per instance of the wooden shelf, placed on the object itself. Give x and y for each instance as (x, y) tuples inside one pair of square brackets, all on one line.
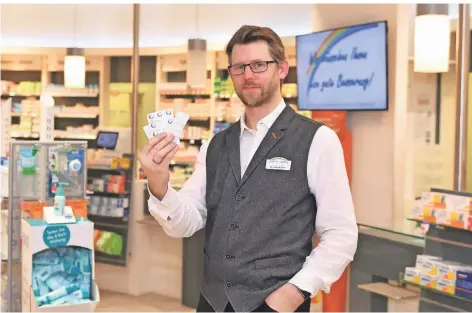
[(389, 291), (78, 115), (19, 95), (72, 95)]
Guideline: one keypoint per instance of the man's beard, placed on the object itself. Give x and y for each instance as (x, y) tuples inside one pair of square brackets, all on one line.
[(266, 92)]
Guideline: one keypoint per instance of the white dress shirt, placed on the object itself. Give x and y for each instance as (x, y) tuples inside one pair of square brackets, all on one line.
[(183, 213)]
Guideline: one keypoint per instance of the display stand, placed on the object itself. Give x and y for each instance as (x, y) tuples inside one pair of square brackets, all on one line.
[(452, 244), (35, 168)]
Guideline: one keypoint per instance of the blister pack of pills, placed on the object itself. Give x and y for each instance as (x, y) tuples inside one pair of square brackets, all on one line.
[(164, 121)]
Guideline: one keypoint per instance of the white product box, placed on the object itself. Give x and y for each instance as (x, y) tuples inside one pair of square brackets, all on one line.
[(446, 285), (38, 236), (428, 263), (412, 275), (448, 270)]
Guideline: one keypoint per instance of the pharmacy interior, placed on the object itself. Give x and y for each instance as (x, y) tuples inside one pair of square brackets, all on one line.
[(75, 223)]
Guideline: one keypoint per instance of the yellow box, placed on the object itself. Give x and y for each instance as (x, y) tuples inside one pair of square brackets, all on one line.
[(412, 275), (446, 285), (428, 281)]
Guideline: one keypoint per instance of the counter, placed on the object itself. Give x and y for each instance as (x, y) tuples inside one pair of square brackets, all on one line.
[(382, 254)]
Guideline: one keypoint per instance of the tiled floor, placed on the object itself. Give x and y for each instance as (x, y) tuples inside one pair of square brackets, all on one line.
[(117, 302)]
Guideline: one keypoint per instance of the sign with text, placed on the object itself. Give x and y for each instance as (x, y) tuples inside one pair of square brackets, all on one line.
[(343, 69)]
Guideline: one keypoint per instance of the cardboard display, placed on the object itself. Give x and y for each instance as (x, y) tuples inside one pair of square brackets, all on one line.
[(38, 236)]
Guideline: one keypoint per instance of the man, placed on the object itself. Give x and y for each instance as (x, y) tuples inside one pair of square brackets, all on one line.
[(259, 189)]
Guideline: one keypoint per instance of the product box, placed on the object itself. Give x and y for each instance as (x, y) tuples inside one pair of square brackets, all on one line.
[(417, 212), (434, 198), (429, 264), (58, 271), (464, 284), (32, 209), (427, 280), (448, 270), (35, 209), (446, 285), (412, 275)]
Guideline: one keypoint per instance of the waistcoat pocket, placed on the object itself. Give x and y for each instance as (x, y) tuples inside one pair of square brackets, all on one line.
[(280, 261)]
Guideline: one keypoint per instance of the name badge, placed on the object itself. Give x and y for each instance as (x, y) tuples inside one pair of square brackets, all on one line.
[(278, 164)]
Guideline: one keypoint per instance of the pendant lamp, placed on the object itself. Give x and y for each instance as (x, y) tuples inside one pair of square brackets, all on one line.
[(74, 62), (196, 63), (196, 59), (74, 68), (432, 38)]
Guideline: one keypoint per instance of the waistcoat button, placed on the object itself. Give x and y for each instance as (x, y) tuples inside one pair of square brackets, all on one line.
[(238, 198), (228, 257), (228, 285), (232, 226)]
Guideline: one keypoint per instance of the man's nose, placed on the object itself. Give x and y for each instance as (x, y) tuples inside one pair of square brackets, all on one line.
[(248, 74)]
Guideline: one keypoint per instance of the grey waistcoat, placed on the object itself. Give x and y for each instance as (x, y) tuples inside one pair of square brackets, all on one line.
[(259, 229)]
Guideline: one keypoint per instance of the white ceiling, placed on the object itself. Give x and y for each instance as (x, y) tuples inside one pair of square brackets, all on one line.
[(110, 25), (454, 10)]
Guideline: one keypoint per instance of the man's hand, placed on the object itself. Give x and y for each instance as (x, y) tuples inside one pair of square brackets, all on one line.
[(155, 158), (285, 299)]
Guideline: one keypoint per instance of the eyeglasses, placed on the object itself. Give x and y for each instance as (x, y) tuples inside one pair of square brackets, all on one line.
[(256, 67)]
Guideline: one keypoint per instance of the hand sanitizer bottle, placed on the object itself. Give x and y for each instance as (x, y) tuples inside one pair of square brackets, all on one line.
[(59, 200)]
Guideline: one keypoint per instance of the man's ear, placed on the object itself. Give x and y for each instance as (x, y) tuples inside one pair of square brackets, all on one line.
[(283, 69)]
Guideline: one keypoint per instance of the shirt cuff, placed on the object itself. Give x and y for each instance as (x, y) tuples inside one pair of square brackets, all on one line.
[(163, 209), (305, 281)]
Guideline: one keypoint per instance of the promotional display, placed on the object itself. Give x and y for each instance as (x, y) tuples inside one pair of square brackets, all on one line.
[(58, 263), (343, 69), (45, 232)]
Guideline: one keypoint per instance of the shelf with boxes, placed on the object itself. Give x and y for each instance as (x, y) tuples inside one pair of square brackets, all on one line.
[(109, 190), (77, 110), (444, 271)]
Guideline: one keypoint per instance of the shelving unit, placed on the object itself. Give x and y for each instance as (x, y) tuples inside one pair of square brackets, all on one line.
[(451, 244), (75, 108), (110, 211)]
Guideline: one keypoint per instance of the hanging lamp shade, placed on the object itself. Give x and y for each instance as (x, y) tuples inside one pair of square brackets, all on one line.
[(196, 63), (432, 38), (74, 68)]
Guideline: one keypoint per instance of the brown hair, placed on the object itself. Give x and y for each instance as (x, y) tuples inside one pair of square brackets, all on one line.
[(248, 33)]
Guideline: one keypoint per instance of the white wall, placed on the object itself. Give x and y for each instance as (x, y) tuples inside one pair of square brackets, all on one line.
[(375, 134), (110, 25)]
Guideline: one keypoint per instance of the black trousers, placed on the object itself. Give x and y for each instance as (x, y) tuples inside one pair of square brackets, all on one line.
[(204, 306)]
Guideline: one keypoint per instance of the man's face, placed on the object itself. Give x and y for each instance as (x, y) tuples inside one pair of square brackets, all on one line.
[(255, 89)]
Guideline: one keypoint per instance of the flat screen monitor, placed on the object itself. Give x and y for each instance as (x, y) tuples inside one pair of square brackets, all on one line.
[(343, 68), (107, 140)]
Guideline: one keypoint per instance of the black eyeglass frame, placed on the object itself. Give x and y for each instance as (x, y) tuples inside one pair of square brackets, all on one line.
[(249, 64)]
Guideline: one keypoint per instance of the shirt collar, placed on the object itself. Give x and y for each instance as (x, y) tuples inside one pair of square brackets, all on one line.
[(268, 120)]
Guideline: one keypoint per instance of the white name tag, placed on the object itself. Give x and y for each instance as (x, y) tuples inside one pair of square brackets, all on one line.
[(278, 163)]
